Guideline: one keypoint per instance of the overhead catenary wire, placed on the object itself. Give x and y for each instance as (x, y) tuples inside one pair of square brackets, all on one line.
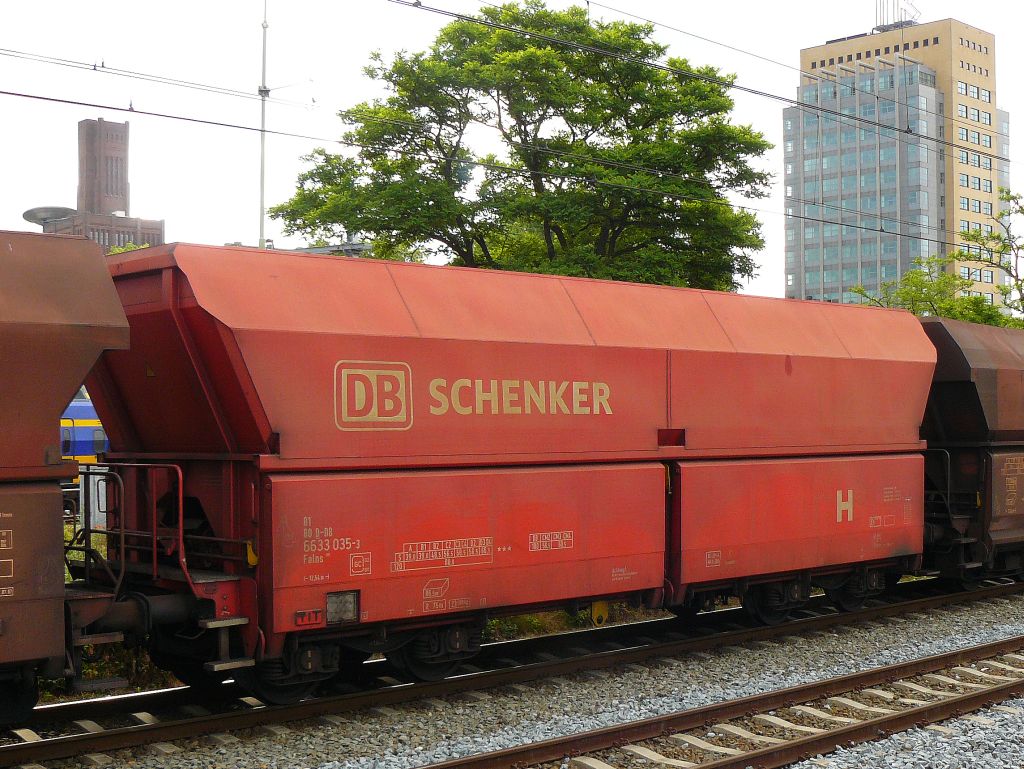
[(671, 175), (474, 163), (659, 66), (166, 80), (804, 107), (135, 75), (813, 75)]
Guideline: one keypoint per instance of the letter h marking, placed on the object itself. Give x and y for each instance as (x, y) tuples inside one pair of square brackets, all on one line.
[(844, 505)]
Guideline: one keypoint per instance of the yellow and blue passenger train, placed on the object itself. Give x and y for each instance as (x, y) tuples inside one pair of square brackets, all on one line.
[(81, 438)]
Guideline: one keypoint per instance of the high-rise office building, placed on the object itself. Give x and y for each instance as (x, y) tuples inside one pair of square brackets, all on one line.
[(895, 148)]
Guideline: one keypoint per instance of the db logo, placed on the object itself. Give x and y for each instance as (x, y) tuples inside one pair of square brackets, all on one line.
[(372, 395)]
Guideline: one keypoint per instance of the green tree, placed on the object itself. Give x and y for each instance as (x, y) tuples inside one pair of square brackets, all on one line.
[(1003, 250), (608, 167), (933, 289), (129, 246)]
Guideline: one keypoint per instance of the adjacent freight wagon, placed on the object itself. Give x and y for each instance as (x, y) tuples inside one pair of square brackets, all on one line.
[(315, 459)]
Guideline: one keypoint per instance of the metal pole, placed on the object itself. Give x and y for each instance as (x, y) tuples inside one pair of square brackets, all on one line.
[(264, 92)]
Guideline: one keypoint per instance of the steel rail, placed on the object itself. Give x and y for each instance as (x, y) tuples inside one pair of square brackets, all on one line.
[(131, 736), (780, 755)]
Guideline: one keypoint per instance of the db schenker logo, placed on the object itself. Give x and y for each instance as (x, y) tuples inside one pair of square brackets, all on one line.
[(372, 395)]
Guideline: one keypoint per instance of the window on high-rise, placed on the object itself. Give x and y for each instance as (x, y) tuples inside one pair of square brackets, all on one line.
[(917, 199), (961, 87), (917, 153), (986, 185)]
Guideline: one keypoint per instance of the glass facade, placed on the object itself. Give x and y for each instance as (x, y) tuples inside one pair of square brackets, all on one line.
[(853, 187)]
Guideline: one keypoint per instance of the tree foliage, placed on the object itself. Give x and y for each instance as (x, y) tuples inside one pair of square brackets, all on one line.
[(597, 166), (129, 246), (1003, 250), (933, 289)]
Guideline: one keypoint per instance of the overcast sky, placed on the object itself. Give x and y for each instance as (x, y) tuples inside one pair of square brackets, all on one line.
[(204, 180)]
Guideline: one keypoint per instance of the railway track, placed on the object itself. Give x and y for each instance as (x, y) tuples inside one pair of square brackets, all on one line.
[(107, 724), (784, 726)]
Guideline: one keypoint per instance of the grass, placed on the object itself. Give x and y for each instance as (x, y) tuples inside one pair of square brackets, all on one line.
[(107, 661), (552, 622)]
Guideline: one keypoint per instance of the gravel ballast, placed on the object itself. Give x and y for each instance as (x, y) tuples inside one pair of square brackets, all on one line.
[(415, 735)]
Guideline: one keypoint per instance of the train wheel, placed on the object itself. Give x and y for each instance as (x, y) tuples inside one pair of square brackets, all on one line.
[(767, 603), (844, 600), (18, 696), (435, 654), (407, 660), (685, 611), (273, 691)]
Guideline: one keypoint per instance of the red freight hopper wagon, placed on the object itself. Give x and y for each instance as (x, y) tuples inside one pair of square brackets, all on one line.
[(344, 456), (58, 311)]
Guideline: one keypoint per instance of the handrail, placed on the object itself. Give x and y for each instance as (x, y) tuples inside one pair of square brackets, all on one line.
[(153, 535), (178, 475), (95, 471)]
